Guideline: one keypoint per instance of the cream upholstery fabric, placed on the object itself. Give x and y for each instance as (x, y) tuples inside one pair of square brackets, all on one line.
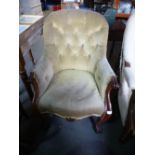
[(72, 94), (103, 75), (127, 79), (75, 39), (44, 72), (75, 73)]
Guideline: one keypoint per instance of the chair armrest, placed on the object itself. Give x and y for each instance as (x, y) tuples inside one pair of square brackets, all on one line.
[(103, 75), (106, 80), (40, 79), (43, 73)]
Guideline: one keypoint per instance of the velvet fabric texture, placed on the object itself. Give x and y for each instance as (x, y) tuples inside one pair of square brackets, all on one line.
[(73, 72)]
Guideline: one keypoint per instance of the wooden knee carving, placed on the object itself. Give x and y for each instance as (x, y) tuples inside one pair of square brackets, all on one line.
[(113, 84)]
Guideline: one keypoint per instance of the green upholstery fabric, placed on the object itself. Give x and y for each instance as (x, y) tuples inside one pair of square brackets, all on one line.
[(73, 72), (75, 39), (44, 72), (103, 75), (72, 94)]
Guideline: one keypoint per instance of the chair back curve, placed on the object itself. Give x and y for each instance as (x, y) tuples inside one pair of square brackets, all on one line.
[(75, 39)]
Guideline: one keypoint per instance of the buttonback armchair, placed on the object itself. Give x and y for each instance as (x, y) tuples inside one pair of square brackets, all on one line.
[(73, 78)]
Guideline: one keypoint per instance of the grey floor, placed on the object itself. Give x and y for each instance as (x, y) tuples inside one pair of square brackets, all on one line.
[(51, 135)]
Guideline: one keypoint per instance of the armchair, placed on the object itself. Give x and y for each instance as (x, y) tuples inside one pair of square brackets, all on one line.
[(73, 79), (126, 94)]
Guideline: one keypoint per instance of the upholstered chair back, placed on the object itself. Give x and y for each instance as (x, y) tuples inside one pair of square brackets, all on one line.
[(75, 39)]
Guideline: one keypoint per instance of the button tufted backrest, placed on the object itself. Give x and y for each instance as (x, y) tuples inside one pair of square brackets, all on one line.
[(75, 39)]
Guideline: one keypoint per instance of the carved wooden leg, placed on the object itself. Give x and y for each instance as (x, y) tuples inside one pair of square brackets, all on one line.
[(22, 110), (35, 86), (128, 130), (126, 134), (24, 75), (107, 115)]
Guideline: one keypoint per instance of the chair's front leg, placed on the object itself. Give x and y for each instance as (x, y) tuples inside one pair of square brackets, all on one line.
[(35, 86), (105, 117), (44, 118), (113, 84)]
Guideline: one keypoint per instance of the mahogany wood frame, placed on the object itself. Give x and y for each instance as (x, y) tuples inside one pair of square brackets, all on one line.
[(26, 40), (23, 113), (35, 87), (113, 84), (23, 74)]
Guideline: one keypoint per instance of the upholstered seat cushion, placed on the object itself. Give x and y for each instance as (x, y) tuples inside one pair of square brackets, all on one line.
[(72, 94)]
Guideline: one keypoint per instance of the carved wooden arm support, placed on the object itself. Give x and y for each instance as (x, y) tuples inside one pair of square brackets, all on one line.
[(113, 84), (35, 87)]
